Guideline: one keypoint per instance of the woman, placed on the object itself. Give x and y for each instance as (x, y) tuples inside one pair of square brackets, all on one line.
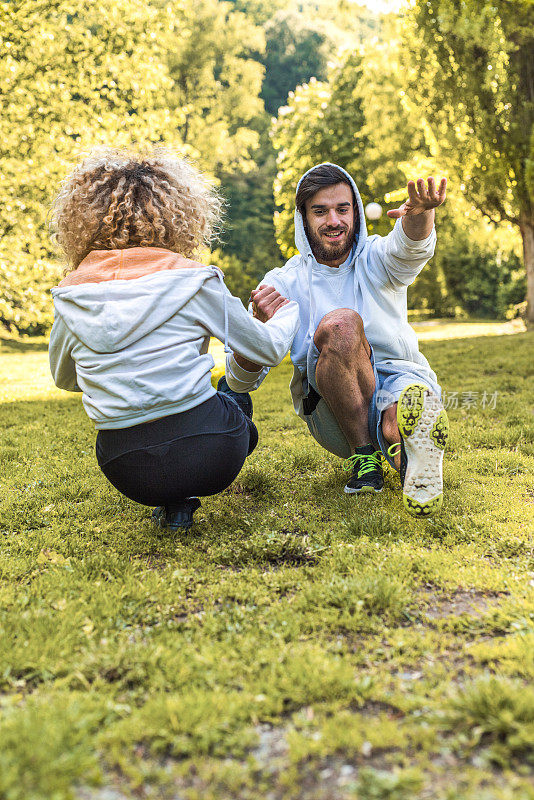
[(133, 317)]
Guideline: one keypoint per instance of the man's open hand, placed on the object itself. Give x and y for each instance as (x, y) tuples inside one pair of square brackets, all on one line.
[(266, 301), (421, 198)]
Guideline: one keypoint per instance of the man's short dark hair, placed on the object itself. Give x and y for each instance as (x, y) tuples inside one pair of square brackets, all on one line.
[(318, 178)]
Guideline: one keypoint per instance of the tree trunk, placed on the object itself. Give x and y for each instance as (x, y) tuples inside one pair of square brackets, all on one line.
[(527, 232)]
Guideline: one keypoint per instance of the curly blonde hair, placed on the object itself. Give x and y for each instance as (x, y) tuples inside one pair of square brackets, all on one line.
[(115, 199)]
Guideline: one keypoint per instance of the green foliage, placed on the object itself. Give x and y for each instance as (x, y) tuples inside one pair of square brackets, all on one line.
[(362, 119), (475, 269), (295, 50), (347, 24), (472, 77), (260, 11), (483, 283), (248, 226), (193, 75), (300, 38), (322, 122), (24, 291), (473, 63), (211, 54), (74, 75), (237, 276), (69, 79)]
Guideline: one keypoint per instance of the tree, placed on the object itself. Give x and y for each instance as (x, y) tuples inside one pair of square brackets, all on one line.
[(117, 72), (474, 82), (249, 233), (326, 121), (237, 276), (299, 38), (72, 75), (259, 11), (212, 54), (295, 50), (362, 119), (357, 120)]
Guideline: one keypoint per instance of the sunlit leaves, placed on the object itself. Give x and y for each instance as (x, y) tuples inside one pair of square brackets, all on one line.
[(116, 72), (472, 74)]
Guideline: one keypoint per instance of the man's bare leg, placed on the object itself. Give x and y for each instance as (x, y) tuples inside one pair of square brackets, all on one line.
[(390, 429), (344, 373)]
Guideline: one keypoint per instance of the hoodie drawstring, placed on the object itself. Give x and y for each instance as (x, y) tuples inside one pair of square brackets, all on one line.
[(220, 275), (311, 325)]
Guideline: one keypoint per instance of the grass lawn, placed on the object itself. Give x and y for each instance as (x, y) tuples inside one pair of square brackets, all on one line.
[(297, 642)]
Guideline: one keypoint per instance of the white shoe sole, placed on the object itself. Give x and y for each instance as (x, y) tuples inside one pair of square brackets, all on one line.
[(424, 427)]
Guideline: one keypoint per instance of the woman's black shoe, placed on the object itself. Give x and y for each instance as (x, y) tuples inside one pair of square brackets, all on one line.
[(158, 514), (179, 517)]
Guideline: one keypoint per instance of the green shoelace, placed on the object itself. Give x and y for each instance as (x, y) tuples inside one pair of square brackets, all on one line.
[(392, 452), (364, 462)]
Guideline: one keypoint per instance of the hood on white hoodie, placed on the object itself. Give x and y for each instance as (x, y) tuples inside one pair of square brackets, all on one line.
[(132, 328), (108, 315), (301, 239), (303, 245)]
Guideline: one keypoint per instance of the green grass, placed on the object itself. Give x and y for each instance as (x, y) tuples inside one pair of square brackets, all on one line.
[(297, 642)]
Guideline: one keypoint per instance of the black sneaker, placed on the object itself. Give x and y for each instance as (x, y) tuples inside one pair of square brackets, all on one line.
[(179, 517), (243, 399), (366, 469)]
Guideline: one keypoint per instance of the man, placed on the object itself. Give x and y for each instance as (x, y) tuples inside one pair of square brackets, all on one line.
[(360, 382)]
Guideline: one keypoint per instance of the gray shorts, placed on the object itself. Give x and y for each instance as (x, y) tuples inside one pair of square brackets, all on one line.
[(390, 380)]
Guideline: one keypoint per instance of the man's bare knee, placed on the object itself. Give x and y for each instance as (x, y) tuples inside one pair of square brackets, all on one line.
[(338, 324), (340, 328)]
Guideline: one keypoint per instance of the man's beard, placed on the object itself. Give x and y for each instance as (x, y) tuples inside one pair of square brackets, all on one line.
[(324, 252)]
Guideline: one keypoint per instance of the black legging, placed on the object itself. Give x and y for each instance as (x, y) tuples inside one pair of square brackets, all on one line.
[(197, 452)]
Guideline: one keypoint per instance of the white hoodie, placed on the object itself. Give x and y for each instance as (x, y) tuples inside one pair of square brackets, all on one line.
[(373, 281), (131, 332)]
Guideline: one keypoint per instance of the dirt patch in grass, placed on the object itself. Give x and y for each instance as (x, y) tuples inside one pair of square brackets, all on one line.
[(105, 793), (473, 602), (272, 749), (326, 778), (372, 708)]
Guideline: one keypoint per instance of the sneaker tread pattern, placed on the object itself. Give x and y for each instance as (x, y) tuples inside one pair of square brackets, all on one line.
[(424, 426)]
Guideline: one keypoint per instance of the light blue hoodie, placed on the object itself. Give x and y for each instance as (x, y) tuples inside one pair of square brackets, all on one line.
[(373, 281), (137, 346)]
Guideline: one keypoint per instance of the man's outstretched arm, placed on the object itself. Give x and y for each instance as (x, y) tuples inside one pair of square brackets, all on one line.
[(418, 211)]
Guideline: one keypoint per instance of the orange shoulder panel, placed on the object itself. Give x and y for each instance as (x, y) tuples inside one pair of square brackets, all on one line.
[(124, 265)]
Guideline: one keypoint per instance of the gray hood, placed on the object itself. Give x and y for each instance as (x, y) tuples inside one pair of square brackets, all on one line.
[(301, 240), (112, 315), (304, 247)]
